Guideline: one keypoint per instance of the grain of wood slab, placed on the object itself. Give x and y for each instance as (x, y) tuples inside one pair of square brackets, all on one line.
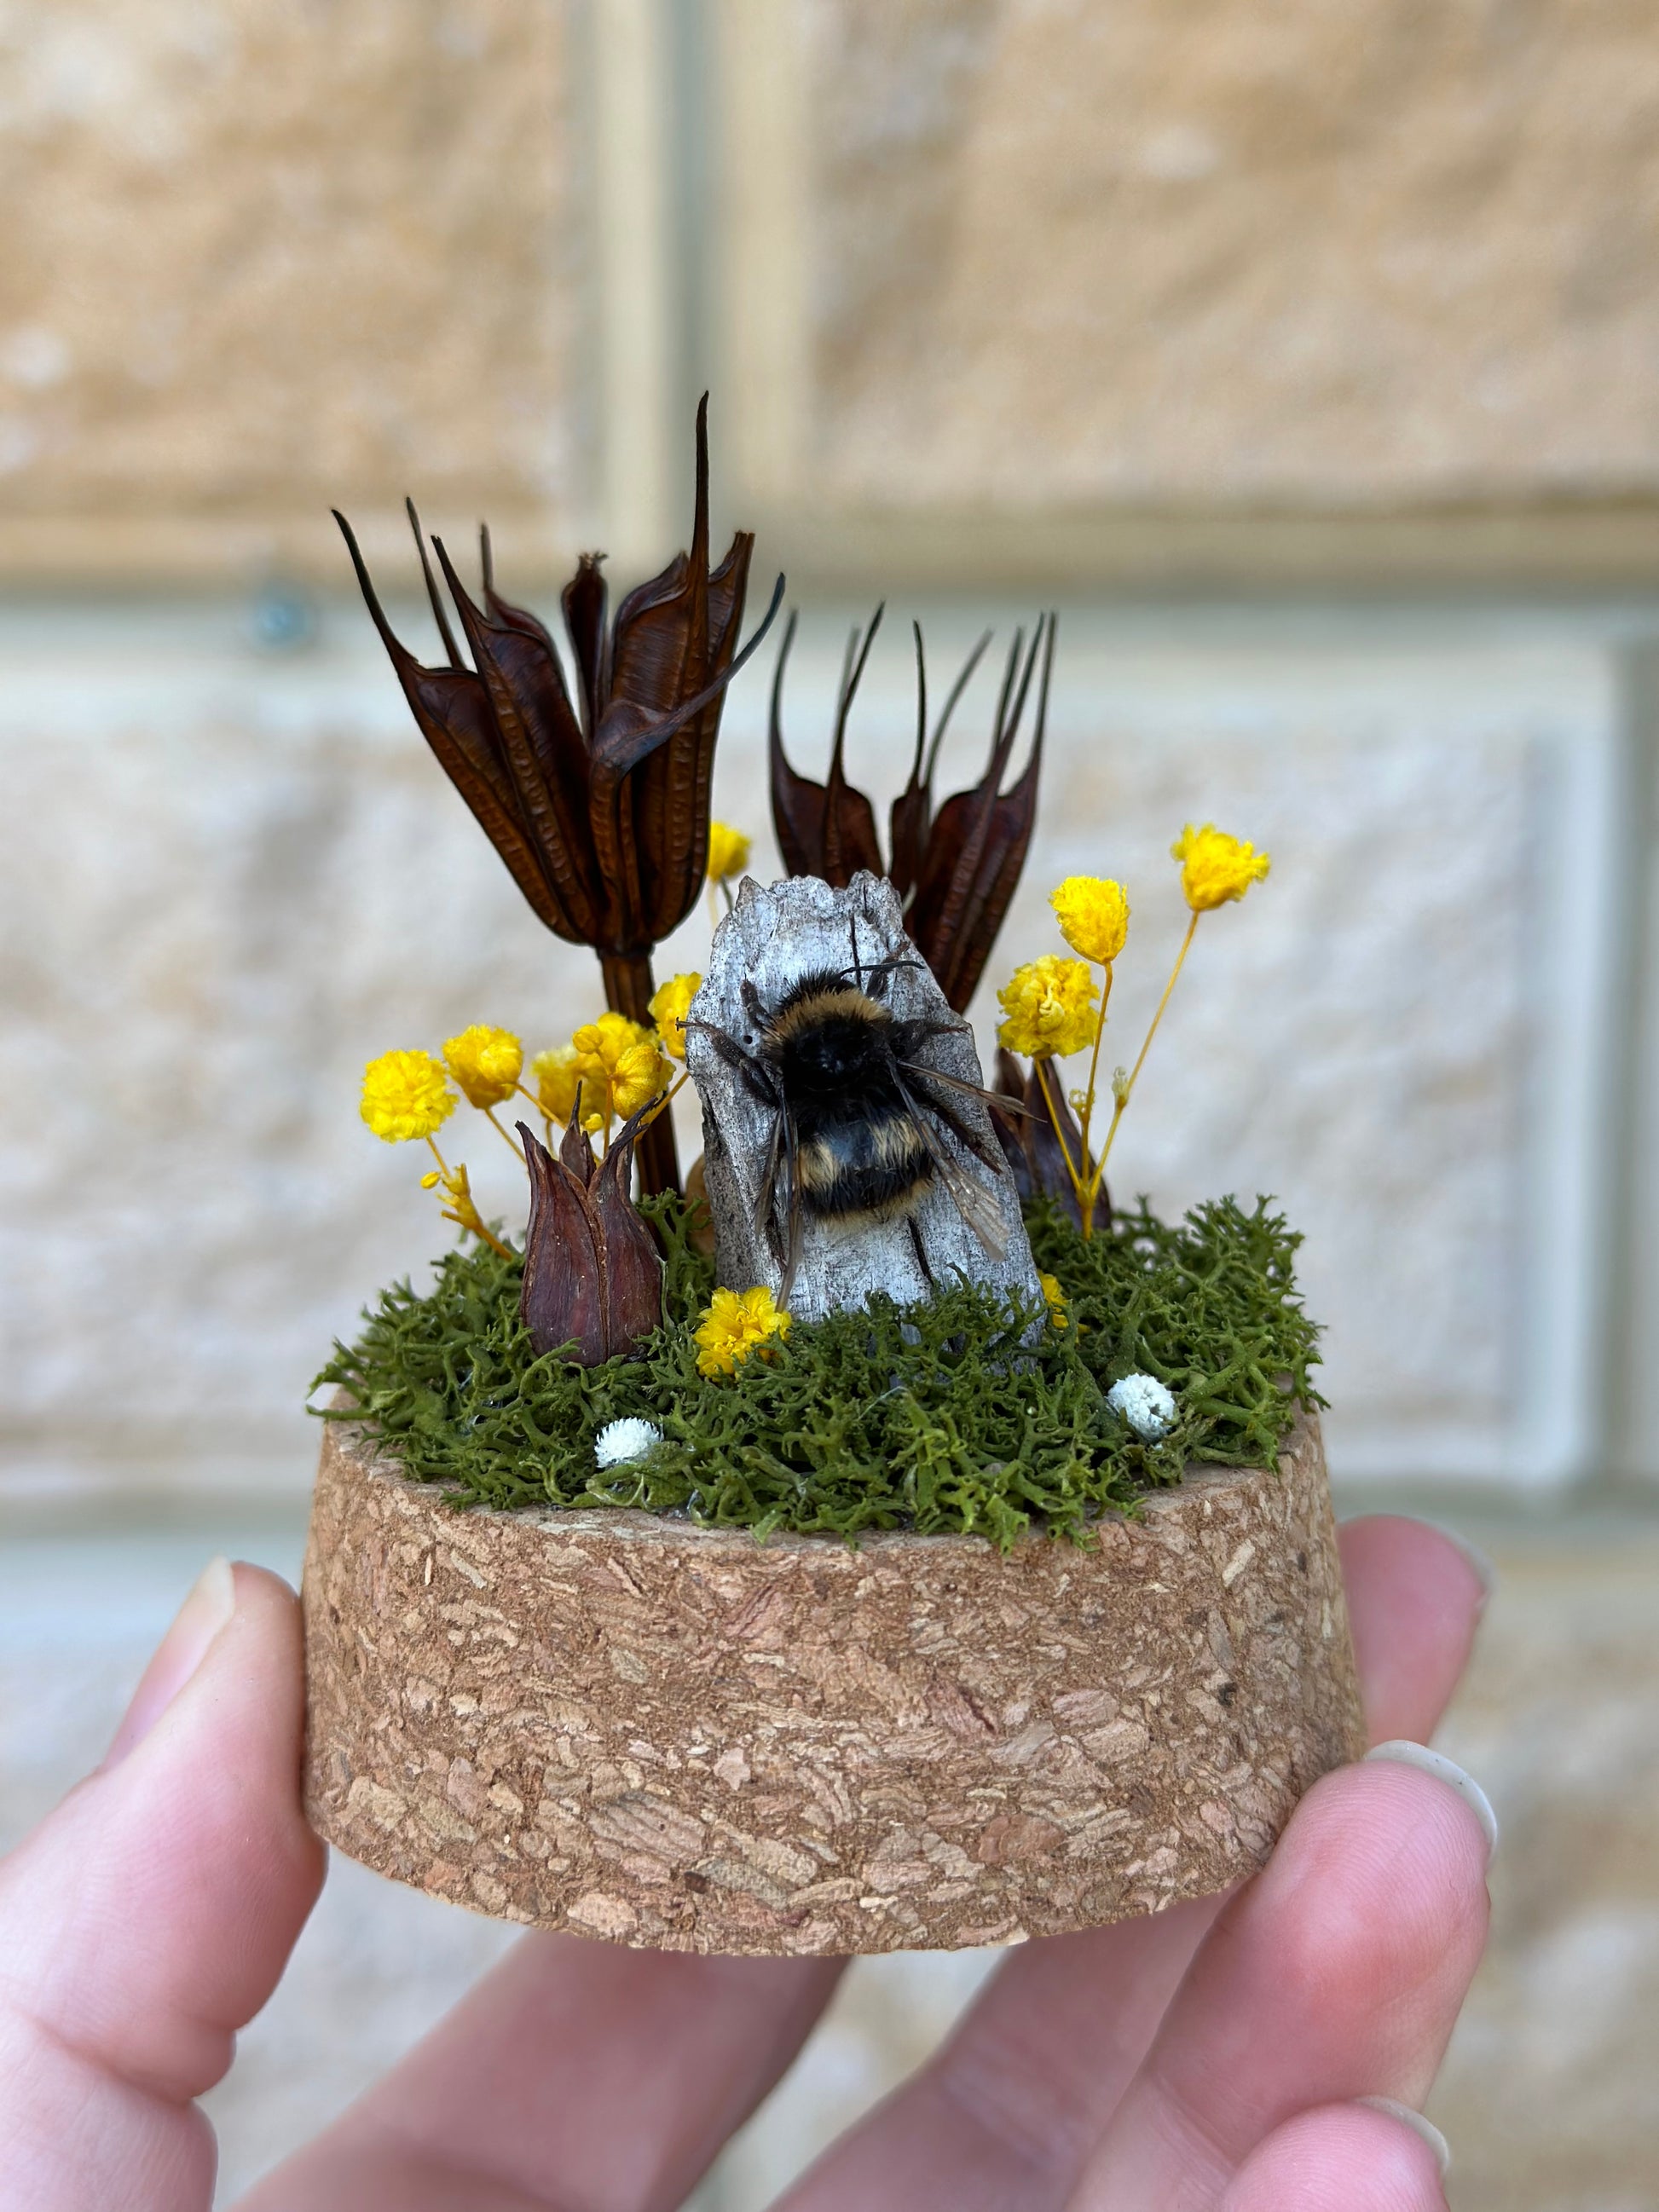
[(775, 934), (665, 1735)]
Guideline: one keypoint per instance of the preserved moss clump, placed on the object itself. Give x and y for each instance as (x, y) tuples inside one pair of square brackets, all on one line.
[(963, 1415)]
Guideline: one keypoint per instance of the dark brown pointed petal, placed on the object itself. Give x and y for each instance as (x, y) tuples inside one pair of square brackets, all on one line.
[(850, 821), (452, 709), (797, 801), (541, 744), (909, 818), (978, 845), (438, 613), (583, 602), (563, 1301), (633, 1265), (576, 1153)]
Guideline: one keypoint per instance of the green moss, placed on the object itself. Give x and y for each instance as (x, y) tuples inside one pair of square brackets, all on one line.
[(938, 1418)]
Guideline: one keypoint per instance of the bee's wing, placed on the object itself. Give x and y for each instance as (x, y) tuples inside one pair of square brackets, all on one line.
[(972, 1201), (968, 1138)]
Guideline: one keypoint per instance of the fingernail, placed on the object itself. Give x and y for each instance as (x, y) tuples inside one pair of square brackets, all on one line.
[(177, 1656), (1444, 1770), (1485, 1572), (1415, 2121)]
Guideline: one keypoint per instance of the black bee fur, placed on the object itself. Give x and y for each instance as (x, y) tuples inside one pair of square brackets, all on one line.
[(855, 1136)]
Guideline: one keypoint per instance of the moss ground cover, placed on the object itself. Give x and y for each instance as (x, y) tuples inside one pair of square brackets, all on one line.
[(963, 1415)]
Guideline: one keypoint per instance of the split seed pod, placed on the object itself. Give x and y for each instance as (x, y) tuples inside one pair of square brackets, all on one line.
[(599, 809), (593, 1275), (955, 871)]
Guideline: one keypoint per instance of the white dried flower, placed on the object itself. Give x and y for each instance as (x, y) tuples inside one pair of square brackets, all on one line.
[(620, 1443), (1144, 1404)]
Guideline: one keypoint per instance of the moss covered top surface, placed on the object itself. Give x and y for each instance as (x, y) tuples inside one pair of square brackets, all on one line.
[(938, 1418)]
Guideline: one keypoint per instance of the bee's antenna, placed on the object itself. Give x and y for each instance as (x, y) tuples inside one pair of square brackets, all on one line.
[(852, 932)]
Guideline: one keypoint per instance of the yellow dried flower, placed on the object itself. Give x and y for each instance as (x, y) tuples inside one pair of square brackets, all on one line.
[(1056, 1298), (728, 852), (1050, 1007), (670, 1004), (558, 1076), (620, 1067), (405, 1096), (733, 1325), (1093, 914), (486, 1063), (1215, 867), (640, 1073)]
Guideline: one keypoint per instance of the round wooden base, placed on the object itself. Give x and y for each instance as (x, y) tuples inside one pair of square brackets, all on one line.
[(677, 1737)]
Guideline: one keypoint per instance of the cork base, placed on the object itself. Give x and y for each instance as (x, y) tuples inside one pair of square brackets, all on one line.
[(677, 1737)]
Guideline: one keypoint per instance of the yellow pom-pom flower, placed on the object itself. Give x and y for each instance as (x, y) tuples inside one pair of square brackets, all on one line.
[(405, 1096), (620, 1067), (670, 1004), (1215, 867), (1050, 1007), (486, 1063), (1056, 1297), (558, 1074), (734, 1324), (728, 852), (1093, 914)]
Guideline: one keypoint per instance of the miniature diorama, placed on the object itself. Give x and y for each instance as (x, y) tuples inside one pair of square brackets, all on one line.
[(874, 1538)]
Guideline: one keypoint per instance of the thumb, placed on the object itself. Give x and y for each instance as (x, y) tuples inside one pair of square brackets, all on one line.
[(149, 1916)]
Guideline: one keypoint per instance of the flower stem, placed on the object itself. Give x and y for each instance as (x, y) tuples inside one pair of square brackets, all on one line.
[(1059, 1129), (511, 1147), (1087, 1184), (1140, 1060)]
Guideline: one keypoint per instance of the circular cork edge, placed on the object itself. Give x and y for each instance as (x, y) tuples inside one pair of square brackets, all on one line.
[(679, 1738)]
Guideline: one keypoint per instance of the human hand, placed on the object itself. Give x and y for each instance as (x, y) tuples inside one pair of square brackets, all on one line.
[(1215, 2058)]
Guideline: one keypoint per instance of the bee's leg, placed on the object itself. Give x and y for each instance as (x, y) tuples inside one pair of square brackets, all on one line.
[(921, 1257), (751, 1003)]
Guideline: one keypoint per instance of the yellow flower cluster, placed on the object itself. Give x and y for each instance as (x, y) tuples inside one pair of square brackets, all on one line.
[(1049, 1005), (558, 1076), (405, 1096), (670, 1004), (1056, 1298), (486, 1063), (734, 1325), (1215, 867), (728, 852), (619, 1066), (1093, 914)]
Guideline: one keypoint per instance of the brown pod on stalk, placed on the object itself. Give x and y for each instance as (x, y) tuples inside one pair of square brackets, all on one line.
[(599, 809), (593, 1275), (955, 871)]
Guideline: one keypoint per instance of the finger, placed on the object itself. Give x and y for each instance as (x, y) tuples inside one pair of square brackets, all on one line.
[(1358, 2157), (148, 1917), (1009, 2107), (577, 2074), (1337, 1974), (1415, 1598)]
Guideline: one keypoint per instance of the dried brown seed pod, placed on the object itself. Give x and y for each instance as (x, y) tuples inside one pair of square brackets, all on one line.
[(955, 871), (599, 808), (593, 1275)]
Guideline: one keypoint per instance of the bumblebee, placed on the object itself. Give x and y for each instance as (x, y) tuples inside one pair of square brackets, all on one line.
[(856, 1113)]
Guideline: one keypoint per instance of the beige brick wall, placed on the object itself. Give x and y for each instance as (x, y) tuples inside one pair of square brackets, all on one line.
[(267, 259)]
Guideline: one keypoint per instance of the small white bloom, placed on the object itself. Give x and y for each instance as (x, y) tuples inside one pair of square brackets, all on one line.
[(618, 1442), (1144, 1404)]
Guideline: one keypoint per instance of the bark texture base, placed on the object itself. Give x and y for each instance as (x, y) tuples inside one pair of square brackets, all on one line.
[(677, 1737)]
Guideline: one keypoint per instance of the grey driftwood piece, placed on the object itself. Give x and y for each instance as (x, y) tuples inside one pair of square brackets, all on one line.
[(630, 1727), (773, 937)]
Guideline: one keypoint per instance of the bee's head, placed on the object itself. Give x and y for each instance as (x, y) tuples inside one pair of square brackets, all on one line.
[(828, 1035)]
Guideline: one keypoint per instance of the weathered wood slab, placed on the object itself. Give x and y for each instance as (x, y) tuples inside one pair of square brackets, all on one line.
[(677, 1737), (773, 937)]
